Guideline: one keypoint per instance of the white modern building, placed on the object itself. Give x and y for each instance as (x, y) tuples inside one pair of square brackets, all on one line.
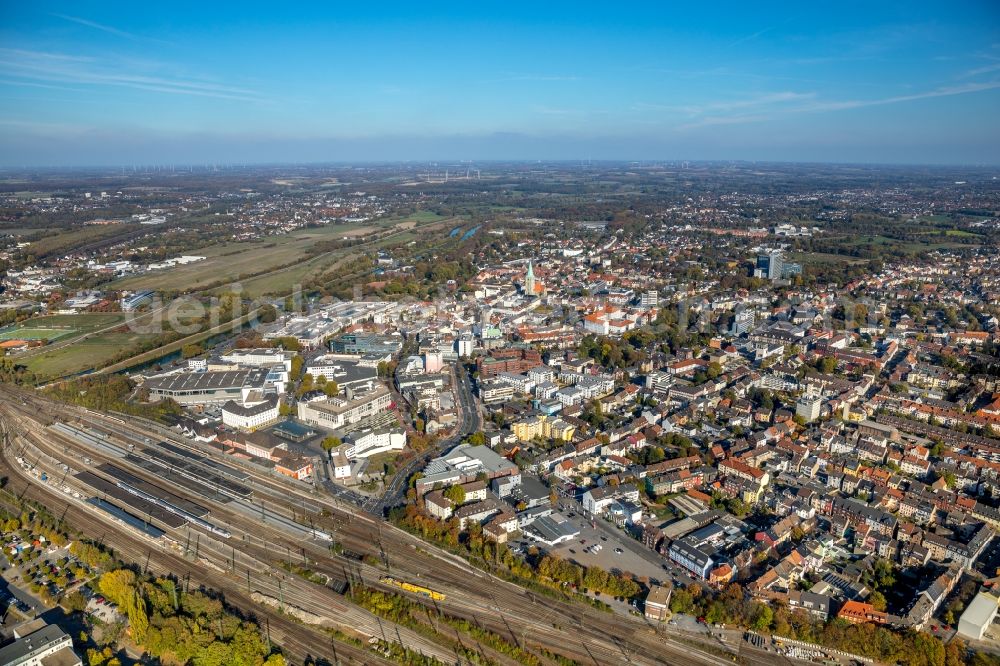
[(251, 417), (978, 616), (466, 345), (369, 443), (808, 406), (596, 500), (341, 466), (521, 383)]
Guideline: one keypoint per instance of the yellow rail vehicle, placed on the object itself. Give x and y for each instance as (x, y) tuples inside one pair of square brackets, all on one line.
[(415, 589)]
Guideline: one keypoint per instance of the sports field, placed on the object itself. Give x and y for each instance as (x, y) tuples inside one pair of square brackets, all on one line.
[(34, 333), (89, 354), (57, 326), (88, 341)]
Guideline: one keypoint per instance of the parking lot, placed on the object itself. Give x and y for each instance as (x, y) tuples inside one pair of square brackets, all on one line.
[(617, 552), (102, 610)]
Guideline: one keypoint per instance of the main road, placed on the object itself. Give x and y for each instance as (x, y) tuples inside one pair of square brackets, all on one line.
[(469, 422)]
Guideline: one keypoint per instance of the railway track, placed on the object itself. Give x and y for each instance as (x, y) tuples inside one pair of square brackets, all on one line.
[(587, 635), (239, 567), (297, 642)]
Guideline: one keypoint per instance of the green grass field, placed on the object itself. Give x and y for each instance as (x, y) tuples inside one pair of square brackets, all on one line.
[(85, 322), (89, 354), (59, 358), (29, 333), (54, 327), (911, 247)]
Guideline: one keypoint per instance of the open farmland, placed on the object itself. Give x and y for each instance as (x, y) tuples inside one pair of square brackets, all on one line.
[(53, 243), (229, 262), (275, 265)]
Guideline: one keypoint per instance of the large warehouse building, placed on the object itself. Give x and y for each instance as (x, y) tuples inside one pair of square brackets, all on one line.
[(206, 388)]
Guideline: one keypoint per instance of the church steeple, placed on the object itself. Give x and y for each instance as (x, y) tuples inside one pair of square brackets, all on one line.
[(529, 280)]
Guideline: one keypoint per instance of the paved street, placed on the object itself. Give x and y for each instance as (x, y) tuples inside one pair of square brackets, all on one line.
[(469, 422)]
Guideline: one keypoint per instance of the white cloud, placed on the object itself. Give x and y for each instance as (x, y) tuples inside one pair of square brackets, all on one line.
[(46, 67), (107, 28), (721, 106), (985, 69), (840, 105), (946, 91)]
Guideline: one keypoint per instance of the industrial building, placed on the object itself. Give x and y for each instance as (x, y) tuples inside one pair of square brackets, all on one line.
[(205, 388), (552, 530), (463, 464)]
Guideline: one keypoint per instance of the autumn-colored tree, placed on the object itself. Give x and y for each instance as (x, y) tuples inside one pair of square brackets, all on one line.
[(456, 494)]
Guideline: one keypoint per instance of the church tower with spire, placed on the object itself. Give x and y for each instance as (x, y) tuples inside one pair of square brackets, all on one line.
[(529, 281)]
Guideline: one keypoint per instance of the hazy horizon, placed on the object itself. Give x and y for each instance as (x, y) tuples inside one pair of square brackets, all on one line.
[(114, 84)]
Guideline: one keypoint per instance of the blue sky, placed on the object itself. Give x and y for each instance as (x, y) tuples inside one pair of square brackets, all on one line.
[(108, 83)]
